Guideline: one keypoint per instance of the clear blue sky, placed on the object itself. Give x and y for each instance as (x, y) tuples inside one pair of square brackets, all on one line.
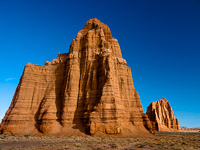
[(159, 39)]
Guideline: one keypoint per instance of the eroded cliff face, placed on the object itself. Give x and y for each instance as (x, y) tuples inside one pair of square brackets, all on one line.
[(86, 91), (162, 116)]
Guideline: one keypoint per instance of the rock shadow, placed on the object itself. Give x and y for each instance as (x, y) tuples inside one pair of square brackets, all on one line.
[(91, 85), (56, 86)]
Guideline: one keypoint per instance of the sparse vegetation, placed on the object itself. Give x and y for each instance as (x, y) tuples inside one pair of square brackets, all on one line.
[(27, 135), (157, 142), (12, 134)]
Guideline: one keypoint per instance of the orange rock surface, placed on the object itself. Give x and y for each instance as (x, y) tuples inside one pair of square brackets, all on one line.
[(162, 116), (86, 91)]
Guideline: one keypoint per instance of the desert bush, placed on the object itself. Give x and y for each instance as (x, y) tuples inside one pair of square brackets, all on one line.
[(142, 146), (3, 136), (27, 135), (12, 134), (67, 147), (184, 143), (113, 145)]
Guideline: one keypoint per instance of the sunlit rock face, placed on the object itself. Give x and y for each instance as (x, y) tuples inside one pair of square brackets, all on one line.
[(162, 116), (86, 91)]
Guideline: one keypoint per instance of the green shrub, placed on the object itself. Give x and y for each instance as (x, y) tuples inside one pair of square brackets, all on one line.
[(27, 135)]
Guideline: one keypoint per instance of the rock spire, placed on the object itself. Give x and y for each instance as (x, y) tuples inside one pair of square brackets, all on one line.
[(162, 116)]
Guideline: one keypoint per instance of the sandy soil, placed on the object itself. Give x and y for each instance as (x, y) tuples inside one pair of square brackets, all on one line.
[(157, 142)]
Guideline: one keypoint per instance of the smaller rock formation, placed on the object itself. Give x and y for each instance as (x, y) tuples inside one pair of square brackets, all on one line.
[(162, 116)]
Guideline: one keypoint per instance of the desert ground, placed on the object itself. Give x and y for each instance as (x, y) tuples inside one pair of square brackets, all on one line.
[(176, 141)]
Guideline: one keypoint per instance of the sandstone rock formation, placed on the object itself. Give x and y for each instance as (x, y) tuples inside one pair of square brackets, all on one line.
[(86, 91), (186, 129), (162, 116)]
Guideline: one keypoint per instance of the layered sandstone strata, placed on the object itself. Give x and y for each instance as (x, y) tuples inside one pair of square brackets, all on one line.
[(88, 90), (162, 116)]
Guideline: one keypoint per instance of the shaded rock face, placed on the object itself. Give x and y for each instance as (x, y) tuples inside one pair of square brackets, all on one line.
[(162, 116), (86, 91)]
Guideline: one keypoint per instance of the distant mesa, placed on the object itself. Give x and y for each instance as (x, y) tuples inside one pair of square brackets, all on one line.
[(186, 129), (86, 91)]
